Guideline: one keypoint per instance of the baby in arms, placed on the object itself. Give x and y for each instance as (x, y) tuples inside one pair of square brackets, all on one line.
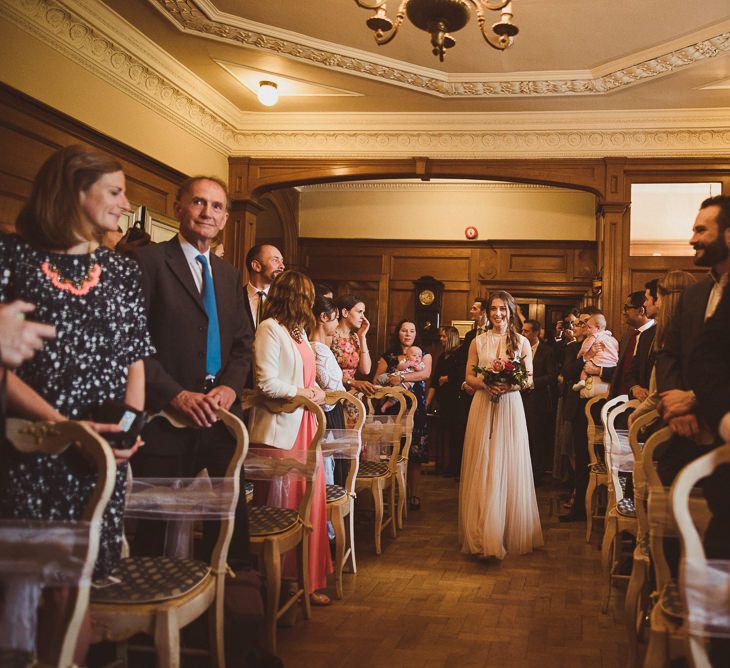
[(599, 347), (409, 362)]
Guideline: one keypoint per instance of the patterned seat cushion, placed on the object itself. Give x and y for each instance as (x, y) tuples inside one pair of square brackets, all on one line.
[(598, 467), (151, 579), (670, 601), (372, 469), (335, 492), (264, 520), (626, 508)]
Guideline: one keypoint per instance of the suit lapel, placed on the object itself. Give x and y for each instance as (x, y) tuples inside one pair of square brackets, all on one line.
[(175, 259), (223, 296)]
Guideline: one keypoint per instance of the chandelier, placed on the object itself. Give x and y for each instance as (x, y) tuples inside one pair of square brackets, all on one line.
[(440, 18)]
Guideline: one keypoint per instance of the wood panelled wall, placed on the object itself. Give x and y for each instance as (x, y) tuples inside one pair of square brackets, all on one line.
[(382, 274), (30, 132)]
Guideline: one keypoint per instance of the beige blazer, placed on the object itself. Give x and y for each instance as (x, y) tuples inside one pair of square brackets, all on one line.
[(277, 373)]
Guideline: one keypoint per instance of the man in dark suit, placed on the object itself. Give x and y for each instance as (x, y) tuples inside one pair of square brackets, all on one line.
[(478, 313), (678, 405), (633, 368), (264, 263), (538, 401), (197, 320)]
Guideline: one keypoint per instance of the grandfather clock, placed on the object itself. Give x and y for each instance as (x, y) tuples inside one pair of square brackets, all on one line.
[(429, 293)]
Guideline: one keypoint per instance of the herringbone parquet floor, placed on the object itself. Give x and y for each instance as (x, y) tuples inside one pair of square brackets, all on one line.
[(423, 603)]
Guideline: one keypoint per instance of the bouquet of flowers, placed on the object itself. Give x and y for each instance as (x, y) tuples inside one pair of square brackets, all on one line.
[(503, 371)]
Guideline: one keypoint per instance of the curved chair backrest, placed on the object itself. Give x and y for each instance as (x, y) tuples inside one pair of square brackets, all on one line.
[(699, 583), (606, 408), (310, 467), (359, 411), (233, 471), (617, 447), (595, 428), (641, 491), (411, 407), (54, 439), (397, 393)]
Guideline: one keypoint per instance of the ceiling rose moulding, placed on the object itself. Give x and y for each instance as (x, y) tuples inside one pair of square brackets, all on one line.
[(200, 17), (705, 143), (96, 41)]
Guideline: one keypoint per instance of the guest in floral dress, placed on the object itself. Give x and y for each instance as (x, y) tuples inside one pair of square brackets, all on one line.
[(350, 346), (92, 296)]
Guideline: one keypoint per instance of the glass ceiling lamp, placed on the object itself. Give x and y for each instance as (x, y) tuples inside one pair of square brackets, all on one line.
[(268, 93), (440, 18)]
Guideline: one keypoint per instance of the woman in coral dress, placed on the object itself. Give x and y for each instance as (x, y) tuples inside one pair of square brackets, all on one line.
[(497, 504), (284, 368)]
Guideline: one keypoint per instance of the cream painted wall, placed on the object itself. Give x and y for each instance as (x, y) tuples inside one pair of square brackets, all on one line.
[(443, 212), (34, 68)]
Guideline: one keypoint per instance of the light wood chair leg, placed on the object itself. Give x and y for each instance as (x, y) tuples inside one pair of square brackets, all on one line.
[(657, 654), (590, 493), (351, 536), (215, 624), (402, 492), (340, 543), (377, 492), (631, 608), (272, 570), (393, 511), (167, 639), (608, 537), (304, 574)]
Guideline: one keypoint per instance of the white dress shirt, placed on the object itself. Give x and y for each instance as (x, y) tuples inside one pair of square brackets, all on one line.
[(253, 300), (196, 269)]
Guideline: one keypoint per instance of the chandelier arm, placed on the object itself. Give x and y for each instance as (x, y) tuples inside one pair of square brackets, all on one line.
[(386, 37), (499, 43), (376, 4), (494, 6)]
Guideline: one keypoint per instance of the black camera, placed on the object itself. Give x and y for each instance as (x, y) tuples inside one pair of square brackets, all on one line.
[(129, 419)]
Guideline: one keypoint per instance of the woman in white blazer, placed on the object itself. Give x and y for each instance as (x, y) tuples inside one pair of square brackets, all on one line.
[(284, 367)]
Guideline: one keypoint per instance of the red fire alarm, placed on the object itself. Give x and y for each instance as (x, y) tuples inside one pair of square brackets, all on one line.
[(471, 232)]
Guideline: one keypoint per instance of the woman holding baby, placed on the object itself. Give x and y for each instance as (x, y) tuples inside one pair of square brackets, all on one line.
[(415, 368)]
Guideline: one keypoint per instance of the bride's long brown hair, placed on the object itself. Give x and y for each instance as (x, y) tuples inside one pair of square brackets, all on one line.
[(513, 342)]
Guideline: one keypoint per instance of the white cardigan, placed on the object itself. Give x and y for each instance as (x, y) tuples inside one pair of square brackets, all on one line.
[(277, 373)]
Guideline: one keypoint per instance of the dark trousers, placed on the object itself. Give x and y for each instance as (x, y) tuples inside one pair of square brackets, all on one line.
[(540, 430), (170, 452), (580, 446)]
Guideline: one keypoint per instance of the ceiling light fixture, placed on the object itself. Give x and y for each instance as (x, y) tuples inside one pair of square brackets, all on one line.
[(440, 18), (268, 93)]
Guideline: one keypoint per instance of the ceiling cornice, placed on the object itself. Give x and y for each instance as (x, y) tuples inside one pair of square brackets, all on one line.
[(99, 40), (202, 18)]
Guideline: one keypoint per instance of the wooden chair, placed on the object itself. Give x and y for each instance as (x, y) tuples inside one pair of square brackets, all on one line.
[(377, 475), (402, 463), (38, 545), (274, 530), (597, 472), (666, 637), (636, 603), (341, 500), (160, 595), (695, 564), (620, 513)]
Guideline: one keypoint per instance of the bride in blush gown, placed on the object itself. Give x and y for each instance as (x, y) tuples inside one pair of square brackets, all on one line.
[(497, 504)]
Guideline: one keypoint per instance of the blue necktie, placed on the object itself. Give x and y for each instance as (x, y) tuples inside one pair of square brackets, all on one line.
[(213, 354)]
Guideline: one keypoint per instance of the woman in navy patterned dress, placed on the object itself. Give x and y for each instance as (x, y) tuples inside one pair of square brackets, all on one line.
[(93, 298)]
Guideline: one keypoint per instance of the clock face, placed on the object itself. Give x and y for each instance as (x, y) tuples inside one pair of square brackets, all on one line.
[(426, 297)]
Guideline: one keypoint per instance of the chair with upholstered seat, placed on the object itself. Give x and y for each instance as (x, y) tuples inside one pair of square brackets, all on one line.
[(275, 530), (402, 463), (36, 553), (636, 603), (620, 513), (597, 472), (341, 500), (381, 437), (666, 620), (703, 585), (160, 595)]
